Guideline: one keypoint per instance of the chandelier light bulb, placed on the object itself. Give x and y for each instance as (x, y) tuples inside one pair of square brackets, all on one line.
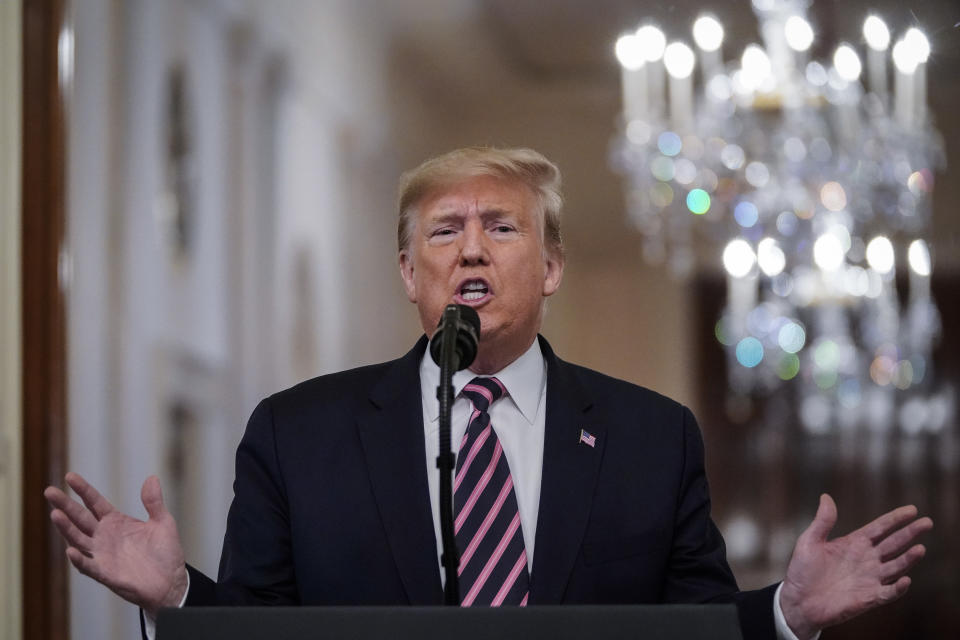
[(828, 252), (755, 65), (629, 52), (708, 33), (903, 58), (880, 254), (847, 63), (679, 60), (652, 42), (738, 258), (918, 44), (876, 33), (770, 257), (918, 255), (798, 32)]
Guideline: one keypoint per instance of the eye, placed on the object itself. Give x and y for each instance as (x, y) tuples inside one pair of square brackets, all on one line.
[(503, 228)]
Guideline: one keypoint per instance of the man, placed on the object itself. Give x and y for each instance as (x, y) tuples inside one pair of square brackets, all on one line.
[(571, 487)]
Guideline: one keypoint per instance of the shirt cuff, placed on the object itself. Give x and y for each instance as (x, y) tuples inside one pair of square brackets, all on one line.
[(784, 632), (150, 625)]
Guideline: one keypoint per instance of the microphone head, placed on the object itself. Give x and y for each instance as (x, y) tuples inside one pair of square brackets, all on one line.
[(465, 323)]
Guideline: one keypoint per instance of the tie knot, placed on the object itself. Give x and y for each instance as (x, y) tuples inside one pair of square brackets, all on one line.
[(483, 392)]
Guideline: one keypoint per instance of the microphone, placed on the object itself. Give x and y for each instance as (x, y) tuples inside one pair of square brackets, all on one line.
[(464, 323), (453, 347)]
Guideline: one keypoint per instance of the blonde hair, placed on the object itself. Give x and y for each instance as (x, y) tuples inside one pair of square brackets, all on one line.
[(525, 166)]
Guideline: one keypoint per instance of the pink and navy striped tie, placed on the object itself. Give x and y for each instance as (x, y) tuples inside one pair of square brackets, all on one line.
[(493, 560)]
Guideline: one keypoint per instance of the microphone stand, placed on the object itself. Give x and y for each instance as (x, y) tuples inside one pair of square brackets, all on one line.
[(445, 462)]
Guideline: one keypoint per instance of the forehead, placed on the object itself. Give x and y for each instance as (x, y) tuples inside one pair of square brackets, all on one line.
[(480, 194)]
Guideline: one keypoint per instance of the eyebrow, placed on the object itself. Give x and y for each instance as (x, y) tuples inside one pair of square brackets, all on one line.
[(457, 214)]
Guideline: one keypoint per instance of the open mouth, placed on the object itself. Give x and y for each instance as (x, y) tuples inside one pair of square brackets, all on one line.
[(473, 290)]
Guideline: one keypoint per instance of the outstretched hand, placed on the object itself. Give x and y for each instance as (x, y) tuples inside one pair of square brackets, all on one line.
[(142, 562), (830, 581)]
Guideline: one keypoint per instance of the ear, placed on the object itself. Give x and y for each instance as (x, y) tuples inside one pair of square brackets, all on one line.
[(406, 273), (553, 273)]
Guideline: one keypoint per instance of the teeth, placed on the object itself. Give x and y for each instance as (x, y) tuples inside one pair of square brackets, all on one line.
[(474, 286), (473, 295)]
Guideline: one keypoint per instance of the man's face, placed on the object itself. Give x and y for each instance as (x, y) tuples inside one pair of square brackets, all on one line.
[(479, 243)]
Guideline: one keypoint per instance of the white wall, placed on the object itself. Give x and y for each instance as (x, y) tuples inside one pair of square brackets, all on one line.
[(10, 350), (292, 271)]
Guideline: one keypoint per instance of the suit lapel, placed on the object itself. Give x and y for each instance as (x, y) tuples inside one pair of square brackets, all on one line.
[(391, 433), (570, 471)]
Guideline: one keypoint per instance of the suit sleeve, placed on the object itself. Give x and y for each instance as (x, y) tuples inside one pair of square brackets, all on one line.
[(698, 569), (256, 566)]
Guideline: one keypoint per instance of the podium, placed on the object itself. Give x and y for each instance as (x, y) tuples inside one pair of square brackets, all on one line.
[(602, 622)]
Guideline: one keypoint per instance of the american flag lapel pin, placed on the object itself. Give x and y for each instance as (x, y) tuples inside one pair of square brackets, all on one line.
[(587, 438)]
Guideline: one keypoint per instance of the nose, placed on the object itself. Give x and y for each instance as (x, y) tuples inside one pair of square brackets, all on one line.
[(473, 249)]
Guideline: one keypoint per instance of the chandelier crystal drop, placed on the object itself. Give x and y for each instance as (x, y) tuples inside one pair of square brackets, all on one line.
[(810, 182)]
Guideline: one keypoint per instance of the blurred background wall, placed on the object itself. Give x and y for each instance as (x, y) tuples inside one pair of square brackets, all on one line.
[(231, 168)]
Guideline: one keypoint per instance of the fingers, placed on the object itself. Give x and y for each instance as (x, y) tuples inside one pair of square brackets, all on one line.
[(152, 497), (891, 592), (69, 531), (84, 564), (896, 568), (97, 504), (79, 516), (824, 521), (894, 544), (882, 526)]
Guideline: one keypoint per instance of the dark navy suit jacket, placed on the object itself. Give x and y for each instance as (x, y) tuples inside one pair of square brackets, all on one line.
[(331, 503)]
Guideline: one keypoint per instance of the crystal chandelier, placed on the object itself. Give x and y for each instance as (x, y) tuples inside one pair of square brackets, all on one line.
[(812, 184)]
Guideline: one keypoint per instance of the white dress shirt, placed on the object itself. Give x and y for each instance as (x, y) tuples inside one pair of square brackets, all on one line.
[(518, 420)]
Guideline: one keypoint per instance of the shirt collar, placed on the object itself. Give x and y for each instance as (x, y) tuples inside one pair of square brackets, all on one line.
[(524, 379)]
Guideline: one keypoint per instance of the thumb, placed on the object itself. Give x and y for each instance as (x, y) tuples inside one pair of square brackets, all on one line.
[(152, 497), (824, 521)]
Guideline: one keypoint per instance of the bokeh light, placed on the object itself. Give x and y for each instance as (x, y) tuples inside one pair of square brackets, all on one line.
[(833, 196), (749, 352), (723, 332), (918, 183), (826, 354), (918, 256), (904, 59), (679, 60), (746, 214), (652, 41), (798, 32), (787, 223), (876, 33), (880, 254), (738, 258), (847, 62), (757, 174), (684, 171), (669, 143), (770, 257), (794, 149), (629, 51), (698, 201), (791, 337), (732, 156), (662, 168), (788, 366), (918, 44), (755, 65), (708, 33), (828, 252)]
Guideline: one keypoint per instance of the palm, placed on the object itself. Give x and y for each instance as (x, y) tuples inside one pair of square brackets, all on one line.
[(141, 561), (830, 581)]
